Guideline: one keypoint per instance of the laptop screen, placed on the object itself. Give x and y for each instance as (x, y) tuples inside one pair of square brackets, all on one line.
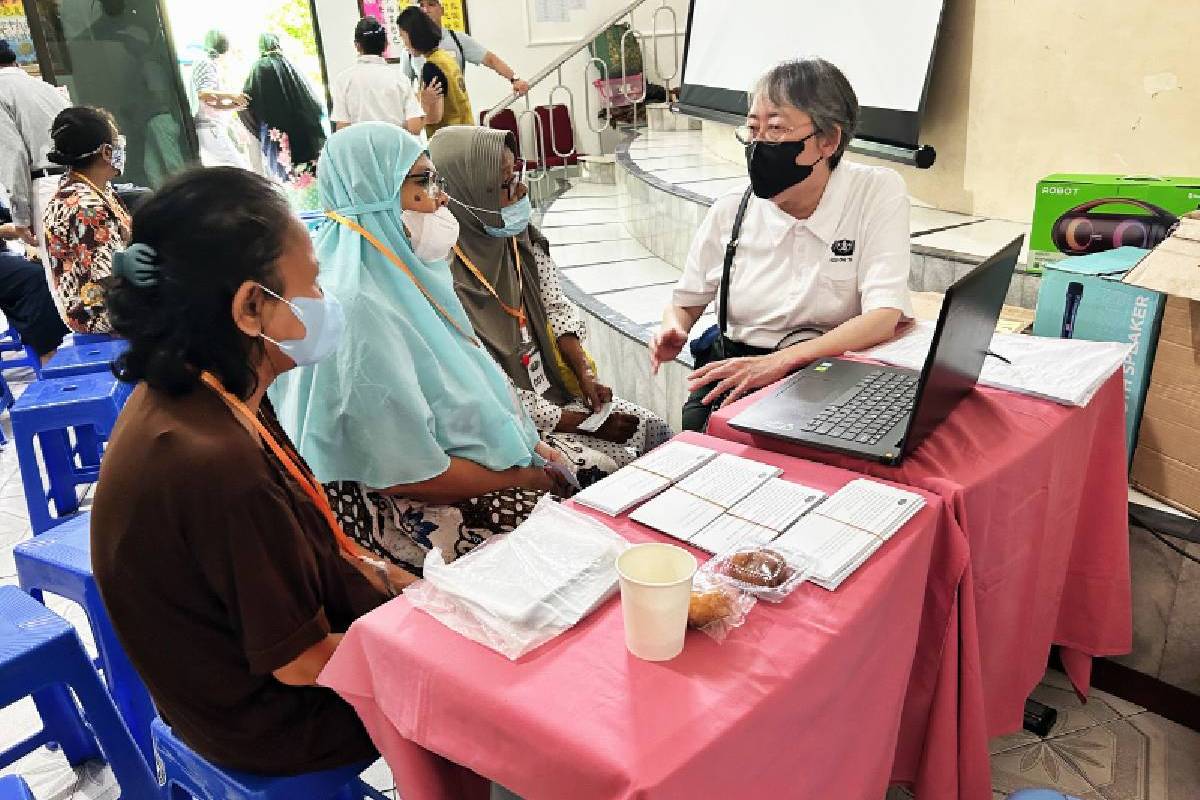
[(961, 341)]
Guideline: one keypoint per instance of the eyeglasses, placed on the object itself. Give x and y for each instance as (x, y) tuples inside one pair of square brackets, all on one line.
[(748, 134), (434, 183), (511, 186)]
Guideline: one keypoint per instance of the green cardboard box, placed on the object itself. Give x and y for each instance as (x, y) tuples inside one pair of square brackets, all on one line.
[(1083, 298), (1076, 215)]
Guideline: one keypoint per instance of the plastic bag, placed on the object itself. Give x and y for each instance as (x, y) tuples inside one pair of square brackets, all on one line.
[(717, 606), (518, 591), (769, 571)]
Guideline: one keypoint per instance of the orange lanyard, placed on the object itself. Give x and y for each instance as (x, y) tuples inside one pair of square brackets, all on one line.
[(123, 219), (307, 481), (517, 313), (399, 262)]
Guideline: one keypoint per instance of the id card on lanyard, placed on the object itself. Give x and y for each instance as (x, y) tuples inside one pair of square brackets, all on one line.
[(531, 354)]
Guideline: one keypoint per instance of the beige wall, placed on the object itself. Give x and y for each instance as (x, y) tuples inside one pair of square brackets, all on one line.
[(1024, 88)]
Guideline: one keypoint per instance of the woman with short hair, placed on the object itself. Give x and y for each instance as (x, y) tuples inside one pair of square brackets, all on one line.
[(423, 38), (822, 260)]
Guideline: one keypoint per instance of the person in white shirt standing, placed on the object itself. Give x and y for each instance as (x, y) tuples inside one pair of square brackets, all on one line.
[(465, 49), (373, 90), (820, 266), (27, 107), (215, 107)]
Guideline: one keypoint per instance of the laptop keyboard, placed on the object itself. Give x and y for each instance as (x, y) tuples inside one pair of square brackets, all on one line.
[(881, 399)]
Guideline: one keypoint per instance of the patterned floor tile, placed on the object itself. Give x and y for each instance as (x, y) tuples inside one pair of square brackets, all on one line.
[(1039, 765), (1139, 758), (1074, 715)]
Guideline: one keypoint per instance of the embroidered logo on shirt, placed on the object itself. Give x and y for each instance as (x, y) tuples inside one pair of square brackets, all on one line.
[(843, 247)]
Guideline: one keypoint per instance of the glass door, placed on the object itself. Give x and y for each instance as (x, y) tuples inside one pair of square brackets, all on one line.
[(118, 54)]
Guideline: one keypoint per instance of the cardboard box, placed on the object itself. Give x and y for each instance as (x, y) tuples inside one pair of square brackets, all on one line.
[(1075, 215), (1167, 462), (1084, 298), (1013, 319)]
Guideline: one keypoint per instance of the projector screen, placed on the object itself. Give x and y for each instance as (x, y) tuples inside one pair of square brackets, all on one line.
[(885, 48)]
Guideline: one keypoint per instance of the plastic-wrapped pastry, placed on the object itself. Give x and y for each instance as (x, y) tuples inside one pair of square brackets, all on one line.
[(709, 606), (760, 567)]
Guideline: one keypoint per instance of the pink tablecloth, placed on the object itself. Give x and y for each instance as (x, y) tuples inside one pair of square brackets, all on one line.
[(1041, 493), (805, 700)]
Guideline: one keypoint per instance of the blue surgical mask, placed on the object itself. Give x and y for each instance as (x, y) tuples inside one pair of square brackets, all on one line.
[(515, 217), (323, 320)]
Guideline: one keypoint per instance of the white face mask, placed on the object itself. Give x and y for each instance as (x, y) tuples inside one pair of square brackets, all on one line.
[(433, 235)]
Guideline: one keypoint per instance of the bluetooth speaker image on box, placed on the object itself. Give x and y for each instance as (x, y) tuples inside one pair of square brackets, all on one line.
[(1077, 215), (1082, 230)]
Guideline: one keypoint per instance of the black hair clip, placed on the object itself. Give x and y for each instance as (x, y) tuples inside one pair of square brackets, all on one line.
[(138, 265)]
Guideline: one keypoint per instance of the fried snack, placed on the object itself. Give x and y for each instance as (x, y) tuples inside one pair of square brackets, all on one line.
[(758, 567), (709, 606)]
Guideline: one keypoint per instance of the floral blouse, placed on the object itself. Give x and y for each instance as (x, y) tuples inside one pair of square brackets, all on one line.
[(84, 228)]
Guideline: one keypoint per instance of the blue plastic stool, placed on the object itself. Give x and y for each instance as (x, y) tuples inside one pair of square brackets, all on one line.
[(59, 561), (185, 774), (1041, 794), (41, 655), (6, 402), (88, 338), (13, 788), (10, 342), (84, 358), (47, 411)]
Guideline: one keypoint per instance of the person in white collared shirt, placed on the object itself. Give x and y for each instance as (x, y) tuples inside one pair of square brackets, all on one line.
[(373, 90), (822, 260)]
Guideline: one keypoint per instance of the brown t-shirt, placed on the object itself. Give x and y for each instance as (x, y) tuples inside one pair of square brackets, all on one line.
[(217, 569)]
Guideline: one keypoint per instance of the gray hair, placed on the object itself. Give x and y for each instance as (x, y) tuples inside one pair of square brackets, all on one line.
[(819, 89)]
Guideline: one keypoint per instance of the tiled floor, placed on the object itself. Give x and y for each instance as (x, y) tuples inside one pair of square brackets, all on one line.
[(1107, 749)]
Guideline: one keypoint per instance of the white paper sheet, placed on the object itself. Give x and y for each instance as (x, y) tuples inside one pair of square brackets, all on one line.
[(873, 507), (1065, 371), (727, 479), (622, 490), (675, 460), (726, 531), (596, 418), (836, 548), (677, 513), (777, 504)]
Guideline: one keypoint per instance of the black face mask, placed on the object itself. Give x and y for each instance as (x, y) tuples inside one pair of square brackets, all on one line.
[(773, 168)]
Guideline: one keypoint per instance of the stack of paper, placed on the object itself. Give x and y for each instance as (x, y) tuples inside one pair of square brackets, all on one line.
[(759, 517), (1034, 363), (645, 477), (728, 500), (847, 528)]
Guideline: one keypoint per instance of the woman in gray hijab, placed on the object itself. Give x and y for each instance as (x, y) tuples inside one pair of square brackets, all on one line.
[(509, 286)]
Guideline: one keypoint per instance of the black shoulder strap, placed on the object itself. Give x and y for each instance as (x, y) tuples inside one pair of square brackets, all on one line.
[(730, 252), (462, 55)]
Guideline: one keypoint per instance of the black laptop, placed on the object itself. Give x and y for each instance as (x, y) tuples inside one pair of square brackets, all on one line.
[(882, 413)]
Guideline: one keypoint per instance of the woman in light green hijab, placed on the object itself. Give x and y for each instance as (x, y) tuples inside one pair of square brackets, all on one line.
[(412, 405)]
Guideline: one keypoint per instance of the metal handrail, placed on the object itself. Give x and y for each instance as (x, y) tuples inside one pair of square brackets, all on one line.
[(565, 56)]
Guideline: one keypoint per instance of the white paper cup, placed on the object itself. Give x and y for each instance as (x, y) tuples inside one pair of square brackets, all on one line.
[(656, 587)]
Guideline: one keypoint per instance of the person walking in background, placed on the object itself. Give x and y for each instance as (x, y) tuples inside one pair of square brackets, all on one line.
[(373, 90), (465, 50), (282, 113), (214, 106), (452, 106), (27, 107), (86, 224)]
